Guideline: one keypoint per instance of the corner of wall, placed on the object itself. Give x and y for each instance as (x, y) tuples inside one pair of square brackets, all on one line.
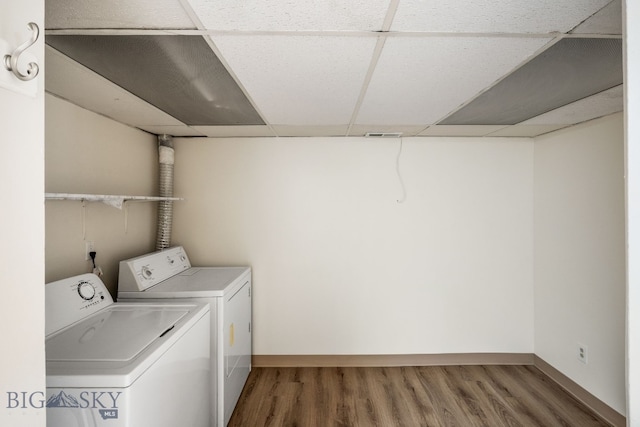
[(579, 255)]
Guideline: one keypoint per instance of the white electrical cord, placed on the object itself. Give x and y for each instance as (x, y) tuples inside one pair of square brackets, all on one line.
[(84, 221), (404, 190), (97, 270)]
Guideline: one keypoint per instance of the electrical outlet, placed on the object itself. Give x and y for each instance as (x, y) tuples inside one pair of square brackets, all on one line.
[(88, 247), (582, 353)]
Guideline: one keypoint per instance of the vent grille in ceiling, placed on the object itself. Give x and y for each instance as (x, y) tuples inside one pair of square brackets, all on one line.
[(177, 74), (570, 70), (383, 134)]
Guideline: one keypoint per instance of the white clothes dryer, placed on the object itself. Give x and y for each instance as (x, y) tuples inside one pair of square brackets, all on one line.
[(123, 365), (168, 275)]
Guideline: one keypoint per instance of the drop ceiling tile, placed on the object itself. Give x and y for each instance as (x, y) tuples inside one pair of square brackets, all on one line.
[(310, 130), (602, 104), (291, 15), (77, 84), (459, 130), (406, 130), (62, 14), (300, 80), (499, 16), (526, 130), (571, 69), (183, 130), (234, 131), (607, 21), (178, 74), (422, 79)]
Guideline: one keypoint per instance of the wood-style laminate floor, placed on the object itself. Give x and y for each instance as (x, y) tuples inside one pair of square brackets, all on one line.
[(457, 396)]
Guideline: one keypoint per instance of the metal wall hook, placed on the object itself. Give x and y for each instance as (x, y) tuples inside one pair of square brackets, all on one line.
[(11, 61)]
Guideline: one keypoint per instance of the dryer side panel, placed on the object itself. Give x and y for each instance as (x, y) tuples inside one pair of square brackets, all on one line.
[(237, 345)]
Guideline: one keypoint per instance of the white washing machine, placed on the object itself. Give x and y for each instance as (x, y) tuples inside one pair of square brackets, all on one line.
[(168, 275), (130, 364)]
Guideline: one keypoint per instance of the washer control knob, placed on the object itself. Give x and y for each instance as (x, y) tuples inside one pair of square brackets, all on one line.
[(146, 273), (86, 290)]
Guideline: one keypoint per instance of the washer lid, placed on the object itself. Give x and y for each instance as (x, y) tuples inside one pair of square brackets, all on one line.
[(117, 333)]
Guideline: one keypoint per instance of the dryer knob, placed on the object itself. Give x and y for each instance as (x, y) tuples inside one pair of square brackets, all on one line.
[(146, 273), (86, 291)]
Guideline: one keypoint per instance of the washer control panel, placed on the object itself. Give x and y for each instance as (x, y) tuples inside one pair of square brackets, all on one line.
[(72, 299), (143, 272)]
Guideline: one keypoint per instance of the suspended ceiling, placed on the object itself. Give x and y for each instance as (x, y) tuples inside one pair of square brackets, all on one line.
[(334, 68)]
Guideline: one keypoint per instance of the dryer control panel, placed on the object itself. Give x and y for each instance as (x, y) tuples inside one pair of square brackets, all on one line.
[(143, 272)]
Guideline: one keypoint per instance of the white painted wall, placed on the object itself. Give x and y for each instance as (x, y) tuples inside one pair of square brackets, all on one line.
[(632, 112), (340, 267), (22, 231), (89, 153), (580, 253)]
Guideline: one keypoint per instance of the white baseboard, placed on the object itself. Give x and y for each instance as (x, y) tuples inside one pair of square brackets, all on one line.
[(352, 360)]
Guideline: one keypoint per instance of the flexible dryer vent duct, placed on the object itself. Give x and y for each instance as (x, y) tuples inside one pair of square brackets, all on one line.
[(165, 208)]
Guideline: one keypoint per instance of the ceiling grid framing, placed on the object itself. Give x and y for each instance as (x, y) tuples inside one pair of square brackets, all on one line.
[(400, 21), (382, 37)]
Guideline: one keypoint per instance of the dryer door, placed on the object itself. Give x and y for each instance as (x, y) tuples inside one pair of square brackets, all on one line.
[(237, 347)]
